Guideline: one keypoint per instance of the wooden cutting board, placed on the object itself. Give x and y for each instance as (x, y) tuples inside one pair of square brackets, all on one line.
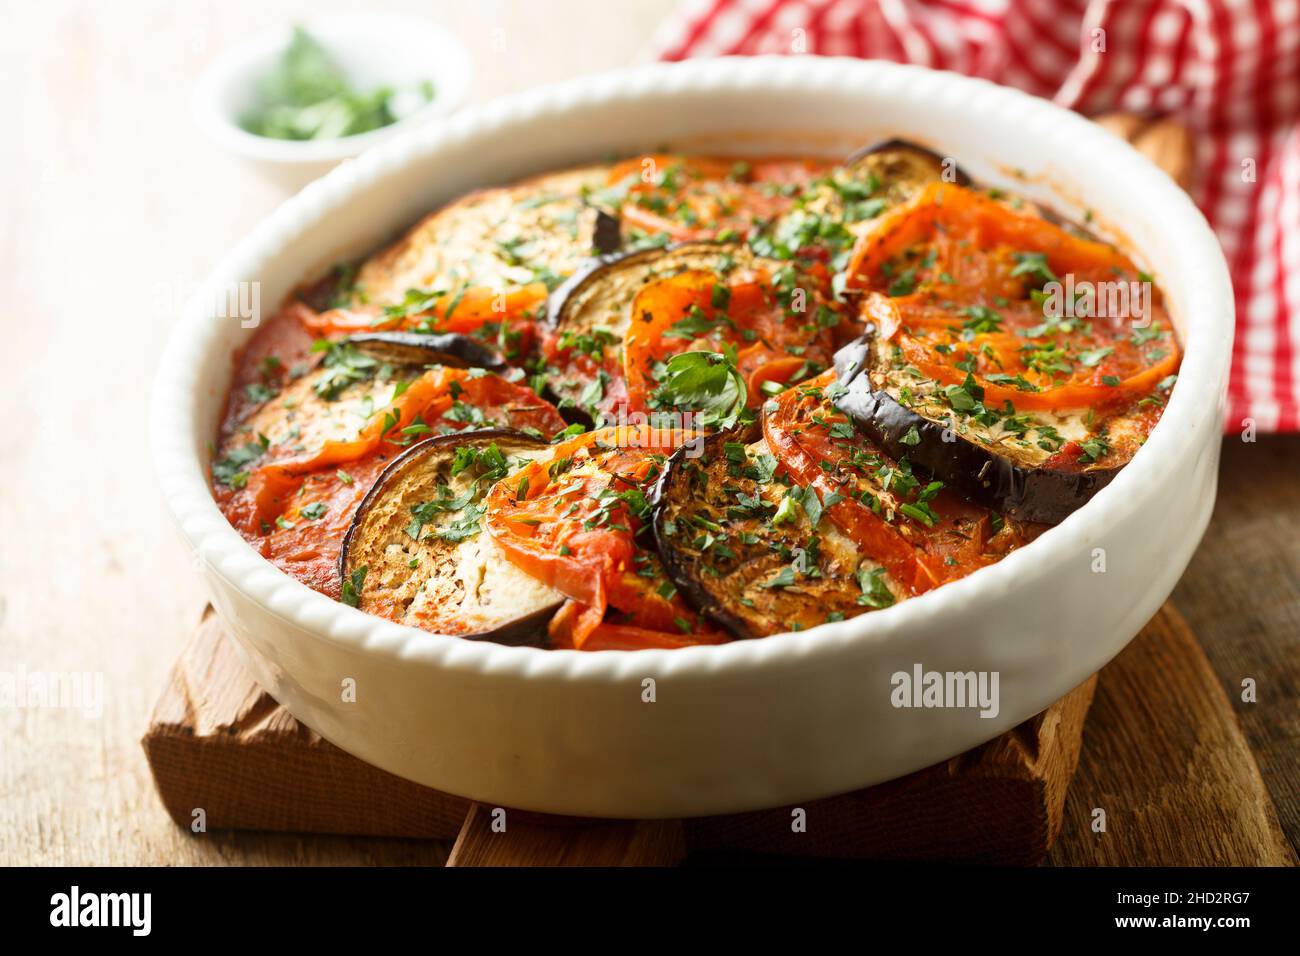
[(1162, 756)]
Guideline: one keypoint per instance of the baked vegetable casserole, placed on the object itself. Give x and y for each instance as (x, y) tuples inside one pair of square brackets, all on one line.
[(681, 400)]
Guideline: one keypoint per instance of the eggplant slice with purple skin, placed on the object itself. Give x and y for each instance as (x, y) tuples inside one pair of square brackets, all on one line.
[(834, 210), (591, 310), (993, 466), (870, 182), (415, 552), (419, 349), (606, 233), (747, 557), (333, 399), (904, 167)]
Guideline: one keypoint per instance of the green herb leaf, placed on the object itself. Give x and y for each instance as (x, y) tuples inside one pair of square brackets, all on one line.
[(352, 586), (1092, 357), (875, 593), (704, 382), (782, 579), (1034, 265)]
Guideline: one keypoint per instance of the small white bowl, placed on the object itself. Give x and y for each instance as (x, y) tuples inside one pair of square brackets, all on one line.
[(372, 49)]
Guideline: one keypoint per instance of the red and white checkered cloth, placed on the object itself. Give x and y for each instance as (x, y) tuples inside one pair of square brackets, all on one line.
[(1229, 70)]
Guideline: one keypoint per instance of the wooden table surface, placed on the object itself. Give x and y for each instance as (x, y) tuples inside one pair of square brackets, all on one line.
[(115, 208)]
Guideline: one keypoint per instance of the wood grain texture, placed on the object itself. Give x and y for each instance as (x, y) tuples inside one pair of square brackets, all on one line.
[(1241, 597), (538, 840), (1166, 143), (999, 803), (1165, 759), (1169, 145), (220, 744)]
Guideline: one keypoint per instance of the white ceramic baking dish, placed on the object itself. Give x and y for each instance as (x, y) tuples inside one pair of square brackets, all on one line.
[(748, 724)]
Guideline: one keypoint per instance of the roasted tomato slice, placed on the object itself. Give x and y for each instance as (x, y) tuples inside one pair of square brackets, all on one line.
[(977, 242), (997, 357), (923, 534), (1010, 307), (615, 326), (573, 521), (504, 318), (303, 538), (780, 328), (441, 400)]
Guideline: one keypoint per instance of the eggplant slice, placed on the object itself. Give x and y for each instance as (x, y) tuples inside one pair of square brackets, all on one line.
[(742, 555), (867, 184), (591, 311), (904, 169), (598, 296), (537, 230), (355, 376), (426, 561), (416, 349), (607, 233), (999, 467), (834, 210)]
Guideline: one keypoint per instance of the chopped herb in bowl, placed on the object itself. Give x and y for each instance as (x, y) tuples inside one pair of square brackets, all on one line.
[(307, 96)]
